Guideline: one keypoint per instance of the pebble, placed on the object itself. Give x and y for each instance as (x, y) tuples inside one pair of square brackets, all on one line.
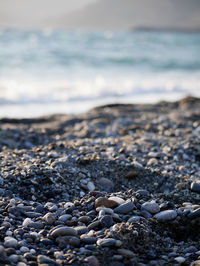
[(62, 231), (118, 200), (126, 252), (195, 187), (26, 222), (180, 259), (44, 260), (92, 261), (195, 263), (81, 229), (106, 221), (65, 217), (108, 242), (165, 215), (194, 214), (90, 186), (10, 242), (74, 241), (49, 218), (125, 208), (106, 183), (102, 201), (151, 207), (134, 219)]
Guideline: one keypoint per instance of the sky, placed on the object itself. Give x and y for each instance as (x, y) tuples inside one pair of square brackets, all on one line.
[(100, 14), (35, 13)]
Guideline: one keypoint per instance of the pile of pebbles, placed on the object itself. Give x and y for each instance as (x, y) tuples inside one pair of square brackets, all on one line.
[(119, 185)]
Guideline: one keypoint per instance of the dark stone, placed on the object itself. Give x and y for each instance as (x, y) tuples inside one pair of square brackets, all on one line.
[(106, 221), (195, 187), (195, 214)]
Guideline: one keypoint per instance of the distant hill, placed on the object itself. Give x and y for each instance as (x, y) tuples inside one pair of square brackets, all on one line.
[(134, 14)]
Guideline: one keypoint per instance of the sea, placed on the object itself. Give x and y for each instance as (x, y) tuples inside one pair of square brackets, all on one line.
[(44, 72)]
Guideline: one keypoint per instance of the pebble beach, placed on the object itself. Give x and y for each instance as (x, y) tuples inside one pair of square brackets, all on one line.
[(117, 185)]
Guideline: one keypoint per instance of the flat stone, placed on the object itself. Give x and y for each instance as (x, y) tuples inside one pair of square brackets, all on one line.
[(195, 187), (151, 207), (102, 201), (166, 215), (62, 231), (107, 242), (125, 207)]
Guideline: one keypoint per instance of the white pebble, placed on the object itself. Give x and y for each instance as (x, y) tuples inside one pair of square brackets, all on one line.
[(180, 259), (91, 186), (26, 222)]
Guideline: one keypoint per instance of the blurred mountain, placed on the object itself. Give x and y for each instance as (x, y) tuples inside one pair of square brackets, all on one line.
[(134, 14)]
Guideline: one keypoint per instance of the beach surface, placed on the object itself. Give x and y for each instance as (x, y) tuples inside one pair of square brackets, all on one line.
[(118, 185)]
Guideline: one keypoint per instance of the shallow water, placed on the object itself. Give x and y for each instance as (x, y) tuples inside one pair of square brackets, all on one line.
[(44, 72)]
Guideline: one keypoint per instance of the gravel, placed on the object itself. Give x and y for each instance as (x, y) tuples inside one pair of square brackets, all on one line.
[(118, 185)]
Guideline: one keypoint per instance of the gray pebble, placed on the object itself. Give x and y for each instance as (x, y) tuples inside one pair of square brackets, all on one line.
[(166, 215), (125, 208), (65, 217), (151, 207)]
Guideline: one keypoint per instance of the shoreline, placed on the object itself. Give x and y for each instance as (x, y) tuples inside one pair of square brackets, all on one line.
[(117, 185)]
